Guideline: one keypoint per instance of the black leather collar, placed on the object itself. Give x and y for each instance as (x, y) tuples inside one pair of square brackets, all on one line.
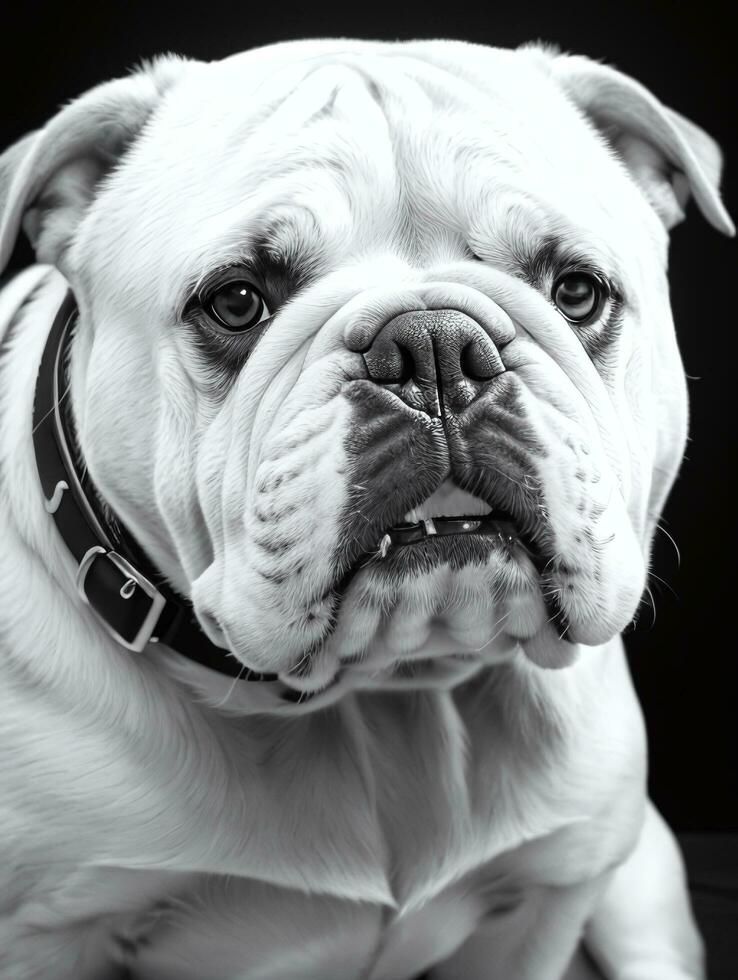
[(114, 577)]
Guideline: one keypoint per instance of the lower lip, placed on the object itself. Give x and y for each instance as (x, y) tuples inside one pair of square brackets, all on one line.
[(456, 550)]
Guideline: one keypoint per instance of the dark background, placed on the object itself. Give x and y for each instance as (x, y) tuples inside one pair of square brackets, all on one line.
[(684, 663)]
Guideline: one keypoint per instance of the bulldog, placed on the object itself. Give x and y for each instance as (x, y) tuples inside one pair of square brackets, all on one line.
[(337, 418)]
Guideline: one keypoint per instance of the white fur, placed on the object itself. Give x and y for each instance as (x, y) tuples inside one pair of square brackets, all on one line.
[(477, 819)]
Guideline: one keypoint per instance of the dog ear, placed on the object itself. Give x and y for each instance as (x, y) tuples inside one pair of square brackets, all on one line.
[(48, 178), (668, 157)]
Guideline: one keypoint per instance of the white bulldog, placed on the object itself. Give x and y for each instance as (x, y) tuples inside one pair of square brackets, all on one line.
[(374, 361)]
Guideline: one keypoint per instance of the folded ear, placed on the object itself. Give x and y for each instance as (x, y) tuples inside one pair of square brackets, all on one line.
[(48, 178), (668, 156)]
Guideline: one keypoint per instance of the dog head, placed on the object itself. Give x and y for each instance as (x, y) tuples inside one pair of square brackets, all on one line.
[(337, 296)]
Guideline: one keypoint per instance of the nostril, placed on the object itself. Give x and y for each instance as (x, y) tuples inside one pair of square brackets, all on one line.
[(469, 365), (393, 365), (407, 365), (480, 363)]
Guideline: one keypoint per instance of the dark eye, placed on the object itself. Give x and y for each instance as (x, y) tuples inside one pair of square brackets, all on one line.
[(236, 306), (579, 296)]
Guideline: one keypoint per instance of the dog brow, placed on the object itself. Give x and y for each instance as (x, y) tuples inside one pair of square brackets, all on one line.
[(285, 258), (549, 255), (553, 254), (280, 253), (283, 250)]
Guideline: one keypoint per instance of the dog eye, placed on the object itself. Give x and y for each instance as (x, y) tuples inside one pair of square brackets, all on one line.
[(579, 296), (236, 306)]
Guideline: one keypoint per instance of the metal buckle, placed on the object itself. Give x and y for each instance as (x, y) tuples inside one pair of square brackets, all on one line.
[(133, 578)]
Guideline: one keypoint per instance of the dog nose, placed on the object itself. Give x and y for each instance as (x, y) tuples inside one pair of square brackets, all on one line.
[(434, 360)]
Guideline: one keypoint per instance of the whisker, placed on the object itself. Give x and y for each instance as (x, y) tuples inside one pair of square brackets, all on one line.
[(663, 581), (494, 636), (663, 530), (648, 592)]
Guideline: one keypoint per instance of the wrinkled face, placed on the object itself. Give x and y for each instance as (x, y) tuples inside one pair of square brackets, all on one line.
[(373, 364)]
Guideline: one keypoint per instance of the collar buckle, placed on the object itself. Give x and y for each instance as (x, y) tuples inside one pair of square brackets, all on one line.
[(131, 580), (124, 600)]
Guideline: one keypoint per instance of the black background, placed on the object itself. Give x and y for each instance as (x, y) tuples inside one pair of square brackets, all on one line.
[(684, 662)]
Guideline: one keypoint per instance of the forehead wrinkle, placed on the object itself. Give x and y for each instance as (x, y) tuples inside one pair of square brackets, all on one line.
[(426, 112), (310, 98), (292, 73), (331, 150), (307, 95), (349, 137), (396, 101)]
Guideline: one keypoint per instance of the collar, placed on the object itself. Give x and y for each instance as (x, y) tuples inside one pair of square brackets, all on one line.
[(115, 579)]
